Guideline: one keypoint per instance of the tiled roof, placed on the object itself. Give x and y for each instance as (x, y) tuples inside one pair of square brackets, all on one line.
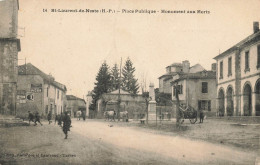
[(29, 69), (176, 64), (248, 40), (199, 75), (168, 75), (72, 97)]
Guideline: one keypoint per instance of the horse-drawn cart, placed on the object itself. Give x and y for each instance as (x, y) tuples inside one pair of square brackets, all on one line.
[(188, 113)]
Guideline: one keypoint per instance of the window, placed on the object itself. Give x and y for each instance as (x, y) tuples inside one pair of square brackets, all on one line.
[(47, 91), (204, 105), (58, 94), (230, 66), (247, 61), (258, 56), (221, 70), (204, 87), (180, 89)]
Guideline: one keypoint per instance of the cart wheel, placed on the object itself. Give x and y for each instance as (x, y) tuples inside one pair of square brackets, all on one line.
[(193, 121)]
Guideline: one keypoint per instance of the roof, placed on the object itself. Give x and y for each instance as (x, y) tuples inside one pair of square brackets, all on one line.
[(196, 68), (72, 97), (29, 69), (175, 64), (199, 75), (247, 41)]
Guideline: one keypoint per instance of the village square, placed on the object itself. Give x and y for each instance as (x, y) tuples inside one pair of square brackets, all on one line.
[(189, 114)]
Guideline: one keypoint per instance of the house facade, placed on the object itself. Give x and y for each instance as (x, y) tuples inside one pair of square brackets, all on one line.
[(197, 90), (238, 77), (75, 104), (135, 105), (172, 70), (9, 48), (37, 91)]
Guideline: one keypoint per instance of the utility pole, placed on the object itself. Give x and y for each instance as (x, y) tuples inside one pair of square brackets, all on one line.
[(177, 105), (119, 97)]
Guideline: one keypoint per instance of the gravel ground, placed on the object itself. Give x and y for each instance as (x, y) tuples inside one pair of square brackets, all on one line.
[(100, 142), (246, 136)]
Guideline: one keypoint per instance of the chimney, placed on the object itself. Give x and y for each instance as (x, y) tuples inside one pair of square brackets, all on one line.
[(256, 27), (213, 67), (186, 66)]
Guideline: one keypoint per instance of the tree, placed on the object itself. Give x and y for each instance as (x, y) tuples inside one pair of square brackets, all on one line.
[(103, 83), (115, 77), (130, 84)]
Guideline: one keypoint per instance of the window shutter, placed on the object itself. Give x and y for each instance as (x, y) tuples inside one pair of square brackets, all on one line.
[(209, 105)]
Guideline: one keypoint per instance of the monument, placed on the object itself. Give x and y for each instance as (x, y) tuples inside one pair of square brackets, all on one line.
[(152, 103)]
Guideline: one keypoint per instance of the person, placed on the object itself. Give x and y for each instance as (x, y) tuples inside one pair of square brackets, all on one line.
[(49, 117), (201, 116), (62, 117), (30, 117), (37, 119), (84, 115), (59, 119), (56, 118), (66, 124)]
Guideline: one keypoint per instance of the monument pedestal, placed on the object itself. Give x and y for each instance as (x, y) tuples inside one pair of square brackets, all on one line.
[(152, 110)]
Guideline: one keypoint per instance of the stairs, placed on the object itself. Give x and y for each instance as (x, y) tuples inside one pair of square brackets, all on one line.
[(11, 121)]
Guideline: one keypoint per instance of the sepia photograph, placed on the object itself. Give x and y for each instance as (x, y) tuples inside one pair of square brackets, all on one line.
[(129, 82)]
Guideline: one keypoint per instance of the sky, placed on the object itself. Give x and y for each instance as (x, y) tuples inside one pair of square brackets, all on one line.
[(71, 46)]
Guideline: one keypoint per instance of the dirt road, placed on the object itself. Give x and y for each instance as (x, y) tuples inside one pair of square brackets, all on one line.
[(95, 142)]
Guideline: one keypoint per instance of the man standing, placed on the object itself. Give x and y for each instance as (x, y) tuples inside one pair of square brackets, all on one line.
[(201, 116), (49, 117), (66, 124), (30, 117), (37, 119)]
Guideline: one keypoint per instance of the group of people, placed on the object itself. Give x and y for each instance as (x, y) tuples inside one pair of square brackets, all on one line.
[(34, 118), (63, 120)]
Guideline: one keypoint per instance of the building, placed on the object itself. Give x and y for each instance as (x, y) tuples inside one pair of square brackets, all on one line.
[(197, 90), (75, 104), (37, 91), (238, 77), (135, 105), (172, 70), (88, 102), (9, 48)]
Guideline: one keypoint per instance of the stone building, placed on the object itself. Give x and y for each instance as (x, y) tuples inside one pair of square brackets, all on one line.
[(238, 77), (75, 104), (37, 91), (172, 70), (9, 48), (134, 104), (198, 90)]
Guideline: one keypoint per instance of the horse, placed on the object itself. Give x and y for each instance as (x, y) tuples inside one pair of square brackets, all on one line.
[(78, 115), (123, 115), (109, 115)]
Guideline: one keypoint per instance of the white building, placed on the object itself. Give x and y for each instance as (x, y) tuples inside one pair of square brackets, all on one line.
[(238, 77)]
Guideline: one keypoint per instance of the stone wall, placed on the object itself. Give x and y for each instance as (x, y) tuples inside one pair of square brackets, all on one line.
[(8, 75), (9, 18)]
